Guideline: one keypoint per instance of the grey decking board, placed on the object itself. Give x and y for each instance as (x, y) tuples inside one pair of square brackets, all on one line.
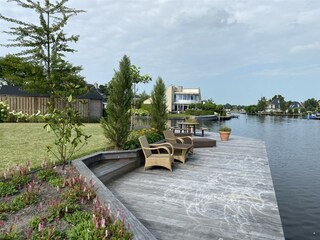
[(225, 191)]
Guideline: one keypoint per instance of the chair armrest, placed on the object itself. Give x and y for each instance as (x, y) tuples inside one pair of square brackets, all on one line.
[(180, 139), (187, 137), (158, 148), (162, 144)]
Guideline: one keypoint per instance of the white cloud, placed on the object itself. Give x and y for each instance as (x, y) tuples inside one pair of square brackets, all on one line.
[(305, 48)]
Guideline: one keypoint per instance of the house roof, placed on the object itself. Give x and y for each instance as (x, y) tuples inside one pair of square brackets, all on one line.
[(10, 90), (93, 93), (17, 91), (275, 103), (295, 105)]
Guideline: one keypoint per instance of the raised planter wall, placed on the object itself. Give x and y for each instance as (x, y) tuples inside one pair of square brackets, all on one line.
[(131, 159)]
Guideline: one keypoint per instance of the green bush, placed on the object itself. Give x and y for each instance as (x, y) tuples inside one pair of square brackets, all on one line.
[(7, 188), (140, 112), (47, 174), (146, 107), (4, 111), (22, 201), (133, 140)]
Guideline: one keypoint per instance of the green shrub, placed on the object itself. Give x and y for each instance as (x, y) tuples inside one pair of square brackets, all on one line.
[(133, 140), (7, 189), (146, 107), (140, 112), (9, 234), (58, 209), (47, 174), (4, 111), (77, 217), (47, 233), (19, 177), (56, 182), (22, 201), (100, 226)]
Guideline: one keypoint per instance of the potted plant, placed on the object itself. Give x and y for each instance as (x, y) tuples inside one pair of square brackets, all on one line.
[(224, 132)]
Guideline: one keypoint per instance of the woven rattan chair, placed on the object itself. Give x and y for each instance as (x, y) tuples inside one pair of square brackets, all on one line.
[(171, 138), (160, 155)]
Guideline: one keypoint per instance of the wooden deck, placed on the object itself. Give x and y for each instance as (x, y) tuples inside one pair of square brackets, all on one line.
[(224, 192)]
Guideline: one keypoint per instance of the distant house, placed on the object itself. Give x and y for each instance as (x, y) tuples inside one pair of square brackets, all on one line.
[(274, 106), (179, 98), (89, 105), (296, 106)]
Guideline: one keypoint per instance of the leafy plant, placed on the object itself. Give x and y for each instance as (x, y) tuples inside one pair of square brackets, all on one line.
[(78, 217), (133, 140), (7, 188), (4, 111), (46, 174), (22, 201), (46, 233), (16, 177), (66, 126), (56, 182), (58, 209), (35, 221), (100, 226), (9, 234), (224, 129)]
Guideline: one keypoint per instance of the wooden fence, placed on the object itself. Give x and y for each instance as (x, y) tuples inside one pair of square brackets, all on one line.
[(32, 105)]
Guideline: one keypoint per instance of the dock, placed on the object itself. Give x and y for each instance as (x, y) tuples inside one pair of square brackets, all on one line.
[(224, 192)]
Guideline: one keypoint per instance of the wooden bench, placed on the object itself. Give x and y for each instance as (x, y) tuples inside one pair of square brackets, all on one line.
[(202, 130), (174, 129)]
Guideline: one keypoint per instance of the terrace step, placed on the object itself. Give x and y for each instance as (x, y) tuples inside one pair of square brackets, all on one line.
[(109, 169)]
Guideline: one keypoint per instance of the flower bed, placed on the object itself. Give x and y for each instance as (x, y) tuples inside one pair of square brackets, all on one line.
[(55, 204)]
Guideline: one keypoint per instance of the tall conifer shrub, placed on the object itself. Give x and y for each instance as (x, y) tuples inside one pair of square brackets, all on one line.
[(116, 127), (158, 112)]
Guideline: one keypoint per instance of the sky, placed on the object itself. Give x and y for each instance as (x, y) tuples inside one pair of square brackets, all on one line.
[(235, 51)]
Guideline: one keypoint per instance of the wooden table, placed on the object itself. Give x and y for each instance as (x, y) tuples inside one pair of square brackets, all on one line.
[(188, 125)]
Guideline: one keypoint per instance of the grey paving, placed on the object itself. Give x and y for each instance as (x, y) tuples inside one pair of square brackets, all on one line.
[(224, 192)]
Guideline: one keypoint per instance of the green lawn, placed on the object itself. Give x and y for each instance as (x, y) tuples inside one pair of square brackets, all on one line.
[(20, 142)]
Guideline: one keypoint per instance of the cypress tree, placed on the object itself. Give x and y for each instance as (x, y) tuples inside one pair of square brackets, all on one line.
[(116, 128), (158, 112)]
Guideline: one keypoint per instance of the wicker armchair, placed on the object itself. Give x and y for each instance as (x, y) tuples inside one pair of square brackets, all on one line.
[(171, 138), (161, 155)]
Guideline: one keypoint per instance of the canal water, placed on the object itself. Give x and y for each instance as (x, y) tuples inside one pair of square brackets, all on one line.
[(293, 147)]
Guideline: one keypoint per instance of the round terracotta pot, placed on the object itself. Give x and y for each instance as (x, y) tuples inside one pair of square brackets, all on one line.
[(224, 136)]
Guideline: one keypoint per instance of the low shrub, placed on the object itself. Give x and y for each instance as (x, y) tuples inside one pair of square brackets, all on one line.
[(140, 112), (133, 139), (16, 177), (101, 225), (4, 111), (47, 174)]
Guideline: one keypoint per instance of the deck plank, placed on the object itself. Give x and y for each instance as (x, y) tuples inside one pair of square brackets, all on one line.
[(224, 192)]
